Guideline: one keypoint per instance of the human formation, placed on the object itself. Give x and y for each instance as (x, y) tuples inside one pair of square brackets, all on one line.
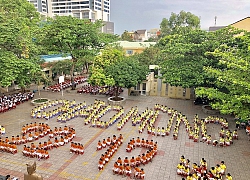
[(129, 166), (202, 171), (67, 110), (93, 114), (59, 137), (112, 145), (9, 102)]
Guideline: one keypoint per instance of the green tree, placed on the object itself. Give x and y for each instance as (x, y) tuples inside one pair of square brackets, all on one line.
[(231, 95), (126, 36), (186, 56), (18, 25), (179, 23), (68, 35), (150, 56), (112, 68)]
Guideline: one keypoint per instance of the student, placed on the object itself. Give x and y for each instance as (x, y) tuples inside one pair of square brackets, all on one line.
[(132, 162), (215, 142), (128, 170), (138, 160), (142, 174), (99, 146), (115, 168), (229, 177), (143, 142), (104, 143), (30, 137), (126, 161), (223, 167), (235, 134), (138, 142), (180, 168), (163, 132)]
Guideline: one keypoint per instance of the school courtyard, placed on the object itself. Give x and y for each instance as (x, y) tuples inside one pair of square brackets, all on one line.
[(65, 165)]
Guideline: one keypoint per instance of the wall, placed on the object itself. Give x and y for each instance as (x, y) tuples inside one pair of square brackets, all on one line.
[(243, 24)]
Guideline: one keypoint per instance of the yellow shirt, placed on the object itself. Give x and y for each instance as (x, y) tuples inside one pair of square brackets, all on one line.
[(223, 166), (229, 177)]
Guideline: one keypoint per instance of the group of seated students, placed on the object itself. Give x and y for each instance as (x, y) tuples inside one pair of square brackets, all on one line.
[(126, 166), (105, 124), (67, 111), (148, 118), (7, 146), (112, 145), (201, 170), (76, 148), (132, 112), (66, 84), (103, 90), (199, 129), (226, 138), (97, 110), (8, 102), (60, 135)]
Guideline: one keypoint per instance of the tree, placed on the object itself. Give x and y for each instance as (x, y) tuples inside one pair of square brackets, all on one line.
[(232, 92), (68, 35), (18, 25), (126, 36), (150, 56), (112, 68), (186, 56), (179, 23)]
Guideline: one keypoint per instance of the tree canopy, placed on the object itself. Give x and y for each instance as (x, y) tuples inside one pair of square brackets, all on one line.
[(179, 23), (126, 36), (19, 54), (186, 56), (80, 38), (232, 92), (112, 68)]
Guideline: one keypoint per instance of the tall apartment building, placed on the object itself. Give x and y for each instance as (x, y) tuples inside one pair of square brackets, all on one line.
[(83, 9), (41, 6)]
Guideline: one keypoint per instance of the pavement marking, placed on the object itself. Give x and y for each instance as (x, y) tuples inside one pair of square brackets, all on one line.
[(94, 154), (85, 163)]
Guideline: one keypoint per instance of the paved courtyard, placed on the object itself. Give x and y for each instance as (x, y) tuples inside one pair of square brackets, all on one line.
[(64, 165)]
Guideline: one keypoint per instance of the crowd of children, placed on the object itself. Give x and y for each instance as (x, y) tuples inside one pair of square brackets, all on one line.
[(198, 131), (7, 146), (201, 170), (103, 90), (66, 84), (67, 111), (113, 145), (127, 167), (131, 113), (76, 148), (93, 110), (33, 131), (8, 102)]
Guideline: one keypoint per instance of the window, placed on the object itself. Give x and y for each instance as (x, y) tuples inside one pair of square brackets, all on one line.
[(85, 15), (129, 52)]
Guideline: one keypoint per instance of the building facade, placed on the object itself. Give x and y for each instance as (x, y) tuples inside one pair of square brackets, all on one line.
[(41, 6), (131, 48), (82, 9)]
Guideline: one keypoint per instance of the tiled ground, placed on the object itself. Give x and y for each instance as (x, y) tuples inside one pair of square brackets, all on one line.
[(63, 165)]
